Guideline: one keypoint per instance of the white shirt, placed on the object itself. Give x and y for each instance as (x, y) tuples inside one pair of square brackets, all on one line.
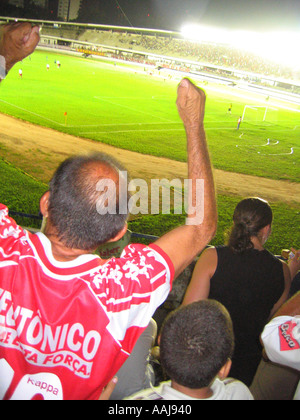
[(281, 338), (229, 389)]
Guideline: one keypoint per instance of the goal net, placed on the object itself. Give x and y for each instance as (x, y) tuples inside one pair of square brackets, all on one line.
[(257, 114)]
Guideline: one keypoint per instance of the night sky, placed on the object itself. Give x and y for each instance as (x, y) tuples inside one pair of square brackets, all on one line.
[(240, 14), (255, 15), (235, 14)]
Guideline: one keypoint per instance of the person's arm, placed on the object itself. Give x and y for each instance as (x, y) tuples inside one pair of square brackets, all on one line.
[(199, 286), (287, 287), (184, 243), (294, 263), (108, 390), (290, 308), (17, 41)]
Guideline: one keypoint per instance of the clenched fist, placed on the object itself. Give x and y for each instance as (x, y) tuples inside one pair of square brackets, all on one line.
[(17, 41), (190, 104)]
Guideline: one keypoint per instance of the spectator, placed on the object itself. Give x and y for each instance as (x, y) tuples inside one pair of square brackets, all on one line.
[(70, 319), (249, 281), (273, 381), (196, 345), (281, 341)]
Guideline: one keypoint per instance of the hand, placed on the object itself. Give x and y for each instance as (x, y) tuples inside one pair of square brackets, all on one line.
[(294, 263), (17, 41), (107, 391), (190, 104)]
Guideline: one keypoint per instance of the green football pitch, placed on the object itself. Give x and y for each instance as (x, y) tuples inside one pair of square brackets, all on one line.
[(126, 107)]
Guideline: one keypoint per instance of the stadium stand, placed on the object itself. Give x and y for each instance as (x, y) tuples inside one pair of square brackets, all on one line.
[(163, 47)]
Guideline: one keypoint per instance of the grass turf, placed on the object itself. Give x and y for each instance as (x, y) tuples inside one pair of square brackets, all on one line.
[(135, 111)]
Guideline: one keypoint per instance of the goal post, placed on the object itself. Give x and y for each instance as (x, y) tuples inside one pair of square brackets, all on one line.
[(259, 113)]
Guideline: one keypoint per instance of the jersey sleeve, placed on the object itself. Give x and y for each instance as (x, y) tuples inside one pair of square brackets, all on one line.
[(136, 284), (10, 234), (8, 227), (281, 339)]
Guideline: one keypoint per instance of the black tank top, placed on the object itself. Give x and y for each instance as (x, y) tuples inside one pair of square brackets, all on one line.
[(248, 285)]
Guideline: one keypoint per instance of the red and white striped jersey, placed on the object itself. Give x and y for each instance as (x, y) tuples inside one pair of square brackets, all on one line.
[(67, 327)]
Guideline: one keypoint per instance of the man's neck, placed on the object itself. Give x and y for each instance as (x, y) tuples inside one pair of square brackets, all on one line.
[(60, 252), (201, 393)]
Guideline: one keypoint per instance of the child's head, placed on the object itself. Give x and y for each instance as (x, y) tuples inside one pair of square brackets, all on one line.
[(196, 342)]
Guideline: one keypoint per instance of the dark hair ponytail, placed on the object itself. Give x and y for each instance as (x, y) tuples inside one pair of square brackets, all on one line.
[(250, 216)]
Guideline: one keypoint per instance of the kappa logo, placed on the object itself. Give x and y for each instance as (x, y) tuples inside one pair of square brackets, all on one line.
[(289, 334)]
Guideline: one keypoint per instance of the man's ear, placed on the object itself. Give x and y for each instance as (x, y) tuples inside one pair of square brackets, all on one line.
[(224, 372), (44, 204), (119, 235)]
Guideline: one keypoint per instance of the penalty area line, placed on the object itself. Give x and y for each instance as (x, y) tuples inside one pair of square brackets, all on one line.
[(148, 131)]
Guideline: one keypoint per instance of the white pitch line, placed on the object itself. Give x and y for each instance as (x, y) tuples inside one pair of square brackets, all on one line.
[(277, 154), (33, 113), (132, 109), (164, 98), (131, 131), (120, 124), (149, 131), (268, 144), (271, 144), (125, 124)]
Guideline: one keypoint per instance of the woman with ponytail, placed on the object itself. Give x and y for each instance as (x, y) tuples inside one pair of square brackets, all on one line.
[(247, 279)]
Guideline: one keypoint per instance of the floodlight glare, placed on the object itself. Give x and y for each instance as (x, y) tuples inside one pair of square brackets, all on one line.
[(281, 48), (200, 33), (278, 47)]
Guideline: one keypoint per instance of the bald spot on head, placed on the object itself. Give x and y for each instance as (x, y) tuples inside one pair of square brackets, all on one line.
[(91, 173)]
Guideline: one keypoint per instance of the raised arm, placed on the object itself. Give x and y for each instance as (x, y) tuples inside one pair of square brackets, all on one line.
[(17, 41), (199, 286), (184, 243)]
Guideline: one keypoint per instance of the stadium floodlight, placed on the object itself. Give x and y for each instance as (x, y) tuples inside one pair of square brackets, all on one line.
[(277, 46), (281, 47), (247, 40), (201, 33)]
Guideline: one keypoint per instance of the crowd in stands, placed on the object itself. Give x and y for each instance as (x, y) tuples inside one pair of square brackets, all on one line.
[(80, 317), (213, 54), (205, 53)]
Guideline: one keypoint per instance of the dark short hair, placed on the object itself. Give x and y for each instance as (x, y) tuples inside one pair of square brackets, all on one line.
[(74, 199), (250, 216), (196, 342)]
